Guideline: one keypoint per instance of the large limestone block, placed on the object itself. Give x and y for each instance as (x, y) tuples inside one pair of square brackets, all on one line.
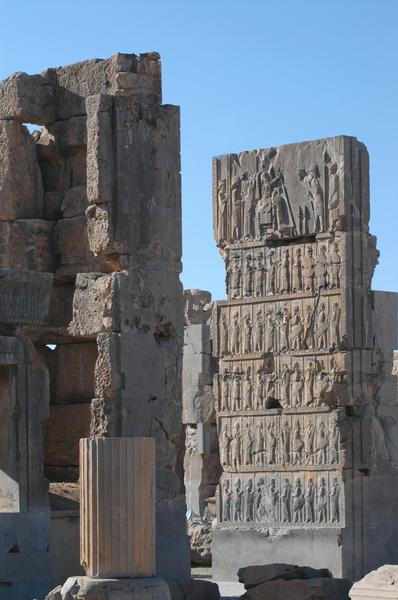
[(299, 589), (117, 499), (21, 188), (80, 588), (27, 244), (256, 574), (24, 296), (100, 159), (26, 98), (92, 305), (377, 585)]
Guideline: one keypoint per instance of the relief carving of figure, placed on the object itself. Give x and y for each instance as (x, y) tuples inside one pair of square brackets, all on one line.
[(261, 511), (226, 500), (271, 443), (308, 268), (309, 376), (236, 391), (259, 276), (312, 183), (285, 497), (247, 329), (298, 501), (297, 277), (225, 446), (248, 202), (321, 269), (222, 200), (236, 223), (335, 326), (258, 332), (335, 501), (259, 444), (285, 439), (335, 262), (223, 334), (334, 441), (248, 390), (249, 500), (249, 276), (272, 500), (270, 389), (271, 274), (236, 334), (334, 198), (322, 327), (236, 278), (297, 330), (297, 445), (309, 338), (247, 444), (284, 329), (269, 332), (259, 396), (321, 501), (321, 444), (309, 443), (285, 273), (321, 383), (285, 386), (309, 498), (238, 493), (297, 385), (225, 391), (236, 447)]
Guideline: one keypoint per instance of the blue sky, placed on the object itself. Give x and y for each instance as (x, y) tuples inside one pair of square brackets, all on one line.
[(247, 74)]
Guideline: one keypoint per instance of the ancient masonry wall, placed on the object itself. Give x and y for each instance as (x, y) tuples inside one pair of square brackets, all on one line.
[(306, 404), (90, 223)]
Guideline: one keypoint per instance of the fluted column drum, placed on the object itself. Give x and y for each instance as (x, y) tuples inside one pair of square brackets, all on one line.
[(117, 507)]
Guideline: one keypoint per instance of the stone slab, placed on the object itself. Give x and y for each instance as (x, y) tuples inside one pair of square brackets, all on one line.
[(149, 588), (377, 585)]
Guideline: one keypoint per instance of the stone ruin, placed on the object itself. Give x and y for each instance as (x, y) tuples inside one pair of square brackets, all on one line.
[(91, 305), (306, 404)]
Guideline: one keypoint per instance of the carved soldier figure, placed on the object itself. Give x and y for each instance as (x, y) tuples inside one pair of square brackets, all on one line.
[(249, 276), (236, 447), (236, 334), (322, 327), (236, 390), (247, 329), (334, 441), (247, 443), (248, 195), (259, 441), (321, 444), (308, 268), (297, 445), (271, 443), (285, 386), (335, 501), (334, 198), (320, 384), (309, 498), (297, 330), (321, 501), (298, 501), (225, 391), (271, 274), (312, 182), (223, 334), (309, 375), (222, 200), (258, 332), (272, 500), (285, 497), (270, 389), (309, 443), (335, 262), (321, 269), (285, 273), (236, 224), (269, 332), (225, 446), (309, 337), (236, 279), (335, 326), (248, 390), (238, 493), (297, 277), (261, 501), (259, 397), (297, 385), (284, 329), (226, 500), (259, 276), (285, 439), (249, 500)]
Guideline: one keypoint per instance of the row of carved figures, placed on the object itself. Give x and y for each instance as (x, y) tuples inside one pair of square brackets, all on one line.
[(260, 445), (293, 387), (281, 331), (283, 272), (257, 204), (292, 502)]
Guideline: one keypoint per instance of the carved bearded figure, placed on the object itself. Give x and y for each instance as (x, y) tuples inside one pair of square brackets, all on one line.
[(297, 276), (259, 277), (223, 335), (226, 500), (285, 505), (298, 501), (222, 200), (249, 501), (335, 326), (297, 330)]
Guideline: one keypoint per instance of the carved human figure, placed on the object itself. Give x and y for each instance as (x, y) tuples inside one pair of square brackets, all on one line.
[(321, 444), (259, 441), (298, 501), (236, 447), (249, 500), (272, 500), (269, 332), (271, 443), (247, 333), (236, 334), (236, 392), (236, 279), (309, 443), (259, 396), (271, 380), (285, 273), (248, 390), (285, 504), (236, 221), (321, 269), (259, 276), (335, 326), (334, 198), (222, 201), (261, 511), (335, 263), (225, 392), (322, 327), (226, 500), (309, 376), (285, 386), (238, 493), (309, 337), (285, 442), (271, 274), (248, 203), (297, 385), (225, 446), (297, 275), (297, 444), (312, 183), (249, 276), (297, 330), (308, 270), (223, 334), (321, 501), (284, 330), (335, 501), (320, 384), (258, 332), (247, 445), (309, 498), (334, 441)]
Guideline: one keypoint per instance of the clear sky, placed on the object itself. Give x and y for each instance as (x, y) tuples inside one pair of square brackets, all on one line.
[(247, 74)]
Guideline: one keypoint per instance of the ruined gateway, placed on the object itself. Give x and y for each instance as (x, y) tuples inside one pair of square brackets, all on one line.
[(306, 404), (91, 306)]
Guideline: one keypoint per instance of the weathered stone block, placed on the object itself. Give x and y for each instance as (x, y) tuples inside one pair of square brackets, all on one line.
[(86, 588), (92, 305), (26, 244), (24, 296), (27, 98), (108, 380), (378, 585), (63, 430), (74, 376), (256, 574), (197, 306), (100, 159), (74, 202), (298, 589), (197, 339)]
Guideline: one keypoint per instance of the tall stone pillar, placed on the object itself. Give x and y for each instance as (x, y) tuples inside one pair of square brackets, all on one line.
[(117, 507)]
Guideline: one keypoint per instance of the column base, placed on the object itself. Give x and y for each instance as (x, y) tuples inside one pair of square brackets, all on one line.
[(140, 588)]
